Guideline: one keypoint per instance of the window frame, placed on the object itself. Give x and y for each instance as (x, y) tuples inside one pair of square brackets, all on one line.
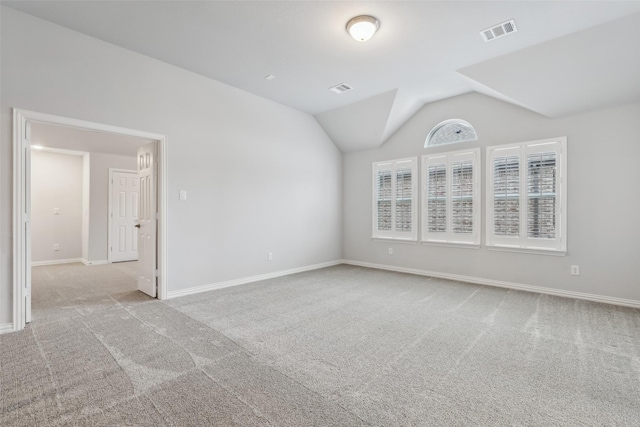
[(522, 242), (448, 237), (439, 126), (393, 167)]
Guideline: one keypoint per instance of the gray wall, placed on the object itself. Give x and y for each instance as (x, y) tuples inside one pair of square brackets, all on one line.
[(56, 182), (260, 176), (603, 198), (99, 201)]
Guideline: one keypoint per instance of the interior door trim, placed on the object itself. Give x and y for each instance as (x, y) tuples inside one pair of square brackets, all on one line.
[(22, 154)]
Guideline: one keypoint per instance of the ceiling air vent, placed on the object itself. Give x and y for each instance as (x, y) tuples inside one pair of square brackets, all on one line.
[(341, 88), (499, 30)]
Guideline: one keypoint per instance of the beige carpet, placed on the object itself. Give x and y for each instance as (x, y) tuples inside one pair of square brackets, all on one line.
[(342, 346)]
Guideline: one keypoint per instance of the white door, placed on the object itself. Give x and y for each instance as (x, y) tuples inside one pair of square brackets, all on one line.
[(124, 216), (147, 224)]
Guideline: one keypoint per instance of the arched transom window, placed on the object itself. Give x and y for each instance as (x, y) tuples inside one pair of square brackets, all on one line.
[(450, 132)]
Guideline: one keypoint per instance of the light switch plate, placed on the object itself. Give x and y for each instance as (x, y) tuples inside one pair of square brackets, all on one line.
[(183, 195)]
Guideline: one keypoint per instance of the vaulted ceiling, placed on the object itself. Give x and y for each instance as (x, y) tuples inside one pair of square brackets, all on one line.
[(566, 56)]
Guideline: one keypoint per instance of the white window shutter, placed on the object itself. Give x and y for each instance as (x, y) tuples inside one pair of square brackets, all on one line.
[(451, 197), (394, 196), (527, 195)]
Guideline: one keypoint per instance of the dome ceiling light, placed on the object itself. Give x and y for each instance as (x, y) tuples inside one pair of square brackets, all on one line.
[(362, 27)]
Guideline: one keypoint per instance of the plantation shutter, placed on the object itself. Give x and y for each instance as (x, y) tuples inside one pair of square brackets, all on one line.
[(404, 199), (506, 194), (395, 196), (451, 199), (462, 189), (526, 195), (384, 193), (436, 197), (541, 195)]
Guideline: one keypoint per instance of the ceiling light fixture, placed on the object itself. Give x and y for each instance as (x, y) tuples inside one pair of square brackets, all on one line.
[(362, 27)]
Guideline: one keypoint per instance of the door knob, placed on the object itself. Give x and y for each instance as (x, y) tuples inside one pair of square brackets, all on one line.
[(137, 226)]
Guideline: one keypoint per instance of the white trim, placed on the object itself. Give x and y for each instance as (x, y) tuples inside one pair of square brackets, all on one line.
[(534, 251), (522, 243), (110, 211), (448, 236), (57, 261), (6, 328), (19, 219), (500, 284), (392, 167), (244, 280), (21, 157), (392, 240), (99, 262), (451, 244), (437, 127)]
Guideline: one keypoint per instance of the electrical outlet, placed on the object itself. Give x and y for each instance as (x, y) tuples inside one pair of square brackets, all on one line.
[(270, 256), (56, 247), (575, 270), (390, 251)]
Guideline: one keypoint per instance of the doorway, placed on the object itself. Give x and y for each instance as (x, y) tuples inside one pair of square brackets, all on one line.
[(23, 121)]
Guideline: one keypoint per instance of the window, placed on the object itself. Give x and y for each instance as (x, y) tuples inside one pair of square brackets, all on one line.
[(450, 132), (394, 199), (527, 196), (451, 197)]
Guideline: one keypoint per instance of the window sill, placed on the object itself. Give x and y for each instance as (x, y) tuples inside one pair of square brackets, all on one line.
[(539, 251), (451, 244), (391, 239)]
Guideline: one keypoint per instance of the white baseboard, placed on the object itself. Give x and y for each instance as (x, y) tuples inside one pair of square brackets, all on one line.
[(242, 281), (6, 327), (56, 261), (101, 262), (500, 284)]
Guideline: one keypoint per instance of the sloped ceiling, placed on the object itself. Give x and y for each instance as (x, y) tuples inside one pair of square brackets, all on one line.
[(588, 70), (356, 126), (424, 51)]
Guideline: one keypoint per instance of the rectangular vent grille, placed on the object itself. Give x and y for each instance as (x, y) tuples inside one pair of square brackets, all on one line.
[(498, 31), (341, 88)]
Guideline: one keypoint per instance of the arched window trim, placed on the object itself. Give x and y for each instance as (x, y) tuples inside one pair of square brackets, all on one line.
[(439, 126)]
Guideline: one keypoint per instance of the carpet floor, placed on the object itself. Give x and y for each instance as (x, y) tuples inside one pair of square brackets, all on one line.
[(340, 346)]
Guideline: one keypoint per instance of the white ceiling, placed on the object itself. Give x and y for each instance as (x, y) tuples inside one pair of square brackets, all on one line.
[(423, 52), (89, 141)]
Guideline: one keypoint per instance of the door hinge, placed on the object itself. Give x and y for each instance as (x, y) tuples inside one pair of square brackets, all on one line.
[(111, 248), (156, 215), (27, 217), (157, 273)]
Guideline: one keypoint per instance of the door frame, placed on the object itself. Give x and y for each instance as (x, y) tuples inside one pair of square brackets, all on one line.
[(110, 216), (21, 188)]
